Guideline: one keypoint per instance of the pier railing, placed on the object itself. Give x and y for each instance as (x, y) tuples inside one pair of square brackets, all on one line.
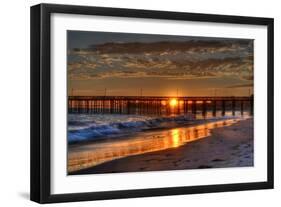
[(159, 105)]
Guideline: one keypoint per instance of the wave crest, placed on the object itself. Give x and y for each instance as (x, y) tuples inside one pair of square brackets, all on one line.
[(88, 129)]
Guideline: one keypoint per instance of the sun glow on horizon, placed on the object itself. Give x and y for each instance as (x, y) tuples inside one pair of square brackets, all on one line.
[(173, 102)]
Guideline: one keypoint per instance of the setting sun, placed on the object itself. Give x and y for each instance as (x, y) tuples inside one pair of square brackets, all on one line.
[(173, 102)]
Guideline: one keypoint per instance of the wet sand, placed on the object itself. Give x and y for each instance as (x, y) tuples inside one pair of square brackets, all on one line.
[(229, 146)]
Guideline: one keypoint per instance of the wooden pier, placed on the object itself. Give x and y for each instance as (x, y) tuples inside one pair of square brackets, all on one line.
[(159, 105)]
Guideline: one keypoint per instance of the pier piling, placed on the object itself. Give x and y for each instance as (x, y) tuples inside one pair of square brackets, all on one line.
[(157, 105)]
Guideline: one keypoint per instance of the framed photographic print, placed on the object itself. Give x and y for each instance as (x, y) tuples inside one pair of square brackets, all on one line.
[(132, 103)]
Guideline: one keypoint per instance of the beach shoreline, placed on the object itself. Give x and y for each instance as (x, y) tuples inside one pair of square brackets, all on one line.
[(229, 146), (189, 123)]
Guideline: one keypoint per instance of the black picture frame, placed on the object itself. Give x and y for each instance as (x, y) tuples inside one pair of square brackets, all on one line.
[(41, 96)]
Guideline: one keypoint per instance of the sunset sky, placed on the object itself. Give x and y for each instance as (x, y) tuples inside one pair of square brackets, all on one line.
[(158, 65)]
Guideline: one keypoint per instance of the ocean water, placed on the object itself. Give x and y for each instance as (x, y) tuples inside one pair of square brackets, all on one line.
[(84, 127)]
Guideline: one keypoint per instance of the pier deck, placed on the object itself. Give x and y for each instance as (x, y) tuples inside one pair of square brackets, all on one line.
[(159, 105)]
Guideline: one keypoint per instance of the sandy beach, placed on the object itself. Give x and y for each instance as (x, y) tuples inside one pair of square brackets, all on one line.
[(229, 146)]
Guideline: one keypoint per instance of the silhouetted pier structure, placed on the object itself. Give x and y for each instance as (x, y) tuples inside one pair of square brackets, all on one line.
[(159, 105)]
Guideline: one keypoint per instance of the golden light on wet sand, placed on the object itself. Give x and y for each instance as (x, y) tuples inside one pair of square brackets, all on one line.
[(173, 102), (175, 138)]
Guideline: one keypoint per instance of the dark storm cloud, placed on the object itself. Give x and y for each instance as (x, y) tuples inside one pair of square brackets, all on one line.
[(192, 45), (241, 85)]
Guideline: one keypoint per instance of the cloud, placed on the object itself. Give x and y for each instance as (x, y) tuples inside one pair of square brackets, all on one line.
[(171, 60), (241, 85), (164, 46)]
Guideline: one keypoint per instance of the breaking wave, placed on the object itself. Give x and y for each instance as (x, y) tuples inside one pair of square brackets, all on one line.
[(91, 127)]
